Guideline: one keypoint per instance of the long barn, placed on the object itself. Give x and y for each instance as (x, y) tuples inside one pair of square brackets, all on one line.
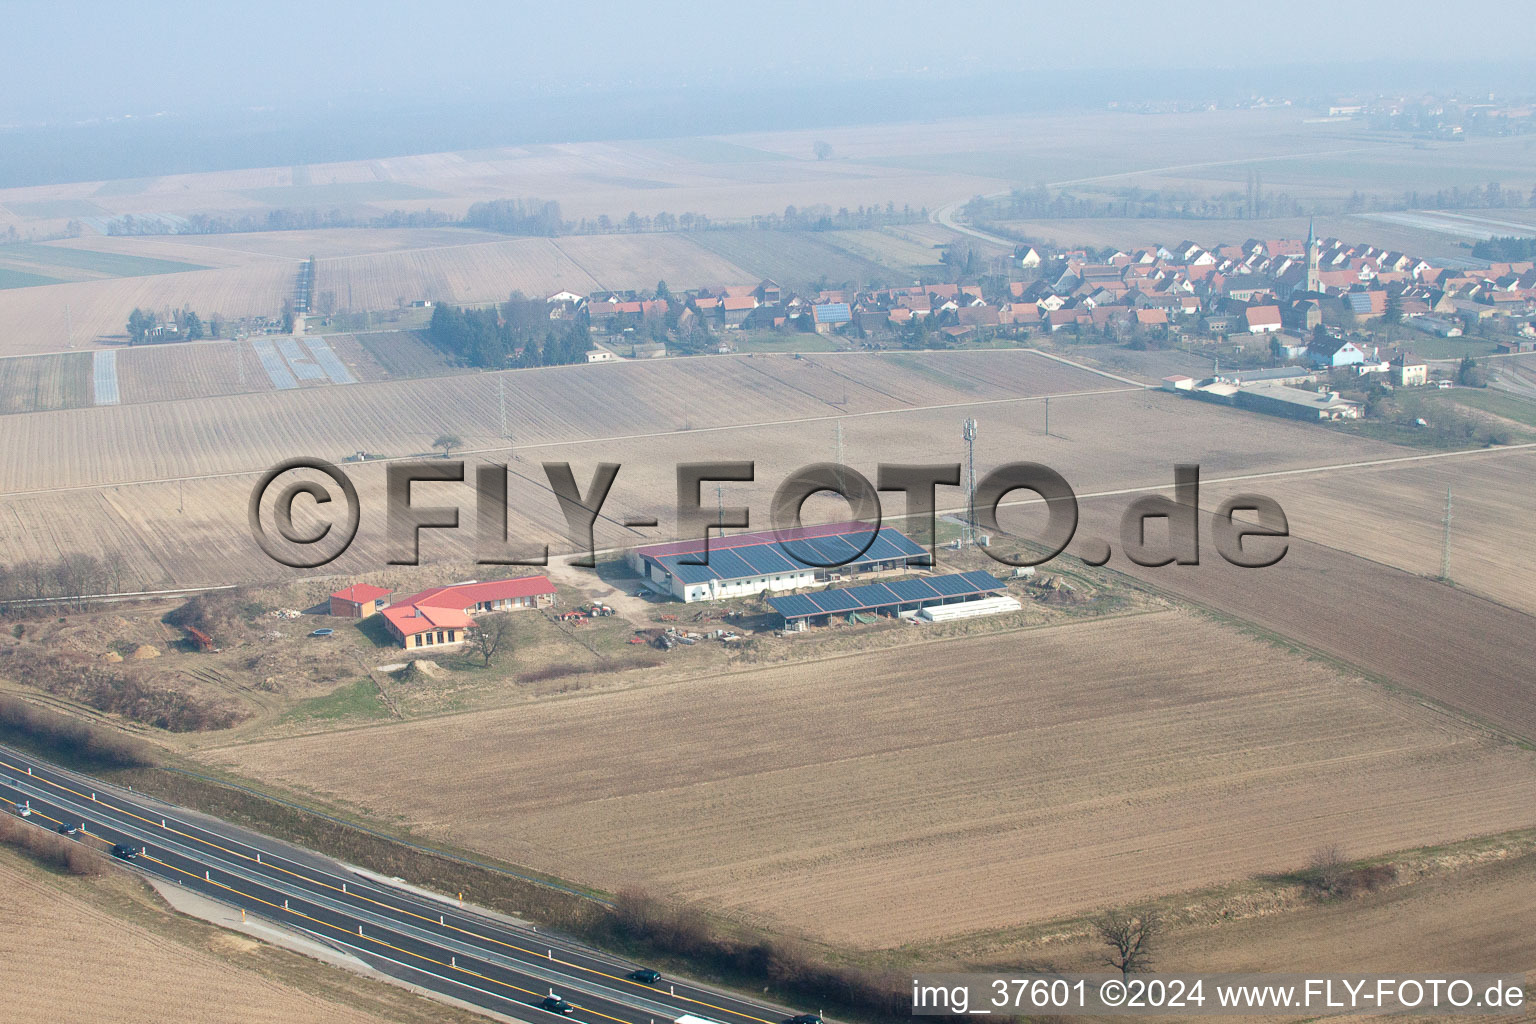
[(767, 562), (894, 598)]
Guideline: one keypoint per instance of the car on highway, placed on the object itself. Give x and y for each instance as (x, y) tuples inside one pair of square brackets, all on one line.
[(554, 1004), (24, 808), (66, 829), (122, 852), (646, 975)]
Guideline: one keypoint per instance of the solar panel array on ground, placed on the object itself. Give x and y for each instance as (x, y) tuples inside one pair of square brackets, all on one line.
[(871, 596), (104, 378), (326, 357), (276, 367), (772, 557)]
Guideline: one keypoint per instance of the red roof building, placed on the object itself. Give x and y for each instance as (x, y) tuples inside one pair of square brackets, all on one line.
[(441, 615), (359, 601)]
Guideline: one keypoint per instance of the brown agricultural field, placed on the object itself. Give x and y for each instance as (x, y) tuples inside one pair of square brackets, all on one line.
[(1459, 650), (52, 317), (390, 355), (546, 406), (203, 369), (778, 411), (42, 383), (939, 789), (1394, 514), (63, 949), (482, 272), (639, 261)]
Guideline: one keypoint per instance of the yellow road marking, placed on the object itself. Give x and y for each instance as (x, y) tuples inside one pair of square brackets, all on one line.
[(397, 910)]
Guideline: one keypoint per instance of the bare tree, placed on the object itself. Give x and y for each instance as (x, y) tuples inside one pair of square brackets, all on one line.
[(1129, 934), (113, 568), (487, 638), (1328, 869), (33, 578), (448, 442), (77, 574)]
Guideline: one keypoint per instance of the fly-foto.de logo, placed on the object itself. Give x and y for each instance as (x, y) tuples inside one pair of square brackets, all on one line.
[(1249, 530)]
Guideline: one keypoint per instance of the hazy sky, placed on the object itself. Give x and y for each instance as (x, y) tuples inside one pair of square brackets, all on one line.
[(68, 59)]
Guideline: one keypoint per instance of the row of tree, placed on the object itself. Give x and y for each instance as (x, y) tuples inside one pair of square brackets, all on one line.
[(1506, 248), (69, 577), (1041, 202)]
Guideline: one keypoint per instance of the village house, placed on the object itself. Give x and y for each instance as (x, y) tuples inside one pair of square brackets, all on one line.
[(359, 601), (440, 616)]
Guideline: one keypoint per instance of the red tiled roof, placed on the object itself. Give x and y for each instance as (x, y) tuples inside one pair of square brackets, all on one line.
[(466, 595), (1262, 316), (412, 619), (362, 593)]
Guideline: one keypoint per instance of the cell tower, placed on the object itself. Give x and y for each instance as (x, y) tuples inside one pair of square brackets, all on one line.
[(968, 530)]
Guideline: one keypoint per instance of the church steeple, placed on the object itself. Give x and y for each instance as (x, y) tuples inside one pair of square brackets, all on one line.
[(1314, 282)]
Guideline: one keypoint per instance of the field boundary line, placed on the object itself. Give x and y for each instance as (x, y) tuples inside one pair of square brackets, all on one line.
[(1090, 369)]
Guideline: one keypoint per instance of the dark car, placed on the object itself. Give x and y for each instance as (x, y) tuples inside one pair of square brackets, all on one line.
[(646, 975), (122, 852), (554, 1004), (804, 1018), (67, 829)]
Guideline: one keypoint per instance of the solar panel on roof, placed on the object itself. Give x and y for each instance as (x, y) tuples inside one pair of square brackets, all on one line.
[(834, 601), (793, 606), (983, 580), (767, 558), (841, 550), (905, 546), (873, 595), (951, 586), (912, 590), (729, 565), (687, 573)]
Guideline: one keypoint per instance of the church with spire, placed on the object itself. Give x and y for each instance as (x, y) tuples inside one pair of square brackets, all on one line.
[(1314, 281)]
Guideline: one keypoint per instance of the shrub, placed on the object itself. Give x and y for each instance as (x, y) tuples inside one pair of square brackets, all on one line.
[(69, 738), (50, 849)]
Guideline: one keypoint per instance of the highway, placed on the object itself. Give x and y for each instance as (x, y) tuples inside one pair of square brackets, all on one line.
[(431, 943)]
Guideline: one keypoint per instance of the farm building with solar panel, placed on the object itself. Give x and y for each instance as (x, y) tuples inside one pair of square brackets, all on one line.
[(755, 563), (961, 595)]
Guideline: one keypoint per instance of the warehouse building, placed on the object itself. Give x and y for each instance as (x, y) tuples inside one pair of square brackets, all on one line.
[(935, 598), (755, 563)]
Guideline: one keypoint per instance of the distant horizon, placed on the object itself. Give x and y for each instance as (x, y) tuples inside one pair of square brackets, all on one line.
[(381, 125)]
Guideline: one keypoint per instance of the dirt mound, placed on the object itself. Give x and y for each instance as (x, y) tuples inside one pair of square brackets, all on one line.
[(112, 656), (144, 652), (420, 670)]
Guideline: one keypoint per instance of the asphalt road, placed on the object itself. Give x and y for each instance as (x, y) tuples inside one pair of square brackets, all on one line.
[(431, 943)]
